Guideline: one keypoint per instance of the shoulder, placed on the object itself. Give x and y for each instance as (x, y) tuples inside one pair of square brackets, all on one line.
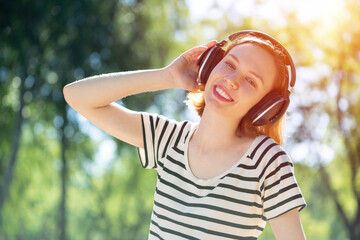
[(266, 147), (159, 125), (269, 155), (161, 133)]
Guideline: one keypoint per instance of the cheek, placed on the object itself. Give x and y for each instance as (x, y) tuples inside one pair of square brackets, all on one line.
[(246, 90), (248, 97)]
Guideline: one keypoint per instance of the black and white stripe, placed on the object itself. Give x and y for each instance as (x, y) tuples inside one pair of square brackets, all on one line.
[(235, 205)]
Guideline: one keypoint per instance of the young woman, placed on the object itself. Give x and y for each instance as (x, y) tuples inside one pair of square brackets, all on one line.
[(224, 177)]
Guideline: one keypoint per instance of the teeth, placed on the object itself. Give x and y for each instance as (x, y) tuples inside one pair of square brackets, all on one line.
[(222, 93)]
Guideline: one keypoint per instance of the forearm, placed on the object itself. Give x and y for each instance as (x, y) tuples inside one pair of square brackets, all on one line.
[(288, 226), (101, 90)]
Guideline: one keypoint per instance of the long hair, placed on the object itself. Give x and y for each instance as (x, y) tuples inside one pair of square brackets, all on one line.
[(196, 98)]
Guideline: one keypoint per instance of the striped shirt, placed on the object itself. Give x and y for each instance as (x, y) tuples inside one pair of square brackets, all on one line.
[(234, 205)]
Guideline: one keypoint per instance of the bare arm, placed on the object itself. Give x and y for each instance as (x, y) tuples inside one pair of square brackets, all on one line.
[(287, 226), (94, 97)]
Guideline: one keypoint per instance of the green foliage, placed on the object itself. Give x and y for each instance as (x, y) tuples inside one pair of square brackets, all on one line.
[(47, 44), (50, 44)]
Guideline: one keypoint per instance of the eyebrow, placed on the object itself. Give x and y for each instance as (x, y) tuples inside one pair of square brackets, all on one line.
[(252, 72)]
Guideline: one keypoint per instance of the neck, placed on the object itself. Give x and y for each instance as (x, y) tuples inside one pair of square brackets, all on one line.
[(215, 132)]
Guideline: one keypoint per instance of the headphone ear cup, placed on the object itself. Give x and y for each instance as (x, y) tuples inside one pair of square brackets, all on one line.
[(207, 61), (269, 109), (202, 57)]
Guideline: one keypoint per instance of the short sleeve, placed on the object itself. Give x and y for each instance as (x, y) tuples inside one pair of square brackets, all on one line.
[(281, 192), (157, 134)]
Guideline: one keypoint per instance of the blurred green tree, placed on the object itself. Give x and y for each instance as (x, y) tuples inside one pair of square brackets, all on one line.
[(52, 183), (46, 45), (323, 116), (329, 120)]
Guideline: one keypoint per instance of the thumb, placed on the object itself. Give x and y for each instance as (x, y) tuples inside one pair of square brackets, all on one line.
[(197, 51), (210, 44)]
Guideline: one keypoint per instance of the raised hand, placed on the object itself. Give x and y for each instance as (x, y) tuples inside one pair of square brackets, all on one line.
[(184, 70)]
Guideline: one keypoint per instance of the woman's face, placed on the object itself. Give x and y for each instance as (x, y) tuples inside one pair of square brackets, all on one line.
[(240, 80)]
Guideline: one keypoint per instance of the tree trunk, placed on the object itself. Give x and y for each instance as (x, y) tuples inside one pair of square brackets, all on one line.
[(64, 176), (8, 173)]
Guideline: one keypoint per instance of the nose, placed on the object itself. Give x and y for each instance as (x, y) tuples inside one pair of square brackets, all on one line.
[(231, 81)]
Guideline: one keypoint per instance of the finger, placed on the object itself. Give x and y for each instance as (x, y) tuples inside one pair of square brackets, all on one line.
[(205, 47), (210, 44), (202, 48), (197, 50), (193, 54)]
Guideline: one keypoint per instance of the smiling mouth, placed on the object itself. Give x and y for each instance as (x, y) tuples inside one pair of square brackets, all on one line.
[(223, 94)]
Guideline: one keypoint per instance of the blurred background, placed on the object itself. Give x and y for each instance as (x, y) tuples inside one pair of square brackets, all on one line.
[(62, 178)]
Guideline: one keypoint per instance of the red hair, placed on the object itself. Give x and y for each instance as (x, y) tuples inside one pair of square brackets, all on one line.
[(196, 99)]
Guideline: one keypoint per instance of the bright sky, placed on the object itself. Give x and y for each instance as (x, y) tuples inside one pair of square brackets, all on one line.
[(306, 10)]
